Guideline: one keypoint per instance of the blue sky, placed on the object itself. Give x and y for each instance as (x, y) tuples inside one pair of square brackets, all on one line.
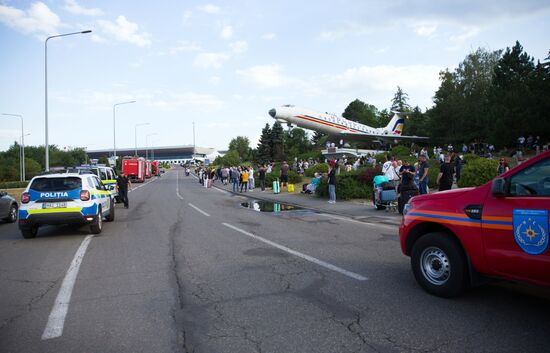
[(224, 64)]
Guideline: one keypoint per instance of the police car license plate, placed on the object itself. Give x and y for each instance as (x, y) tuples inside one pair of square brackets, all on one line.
[(54, 205)]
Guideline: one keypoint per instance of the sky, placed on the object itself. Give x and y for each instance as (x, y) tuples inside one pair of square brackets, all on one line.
[(223, 64)]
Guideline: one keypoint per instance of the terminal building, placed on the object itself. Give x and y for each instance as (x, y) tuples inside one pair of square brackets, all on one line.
[(170, 154)]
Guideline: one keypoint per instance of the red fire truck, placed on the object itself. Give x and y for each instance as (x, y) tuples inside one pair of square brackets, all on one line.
[(134, 169), (148, 167), (155, 167)]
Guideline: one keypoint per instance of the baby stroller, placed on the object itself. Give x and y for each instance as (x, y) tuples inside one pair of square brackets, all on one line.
[(384, 193)]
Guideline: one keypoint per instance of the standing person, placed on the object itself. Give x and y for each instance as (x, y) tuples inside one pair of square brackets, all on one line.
[(458, 167), (234, 175), (423, 168), (261, 177), (407, 172), (244, 180), (284, 175), (123, 184), (332, 182), (445, 177), (251, 184), (389, 170), (502, 166)]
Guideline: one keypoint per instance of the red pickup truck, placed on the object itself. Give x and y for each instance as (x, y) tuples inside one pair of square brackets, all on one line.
[(461, 237)]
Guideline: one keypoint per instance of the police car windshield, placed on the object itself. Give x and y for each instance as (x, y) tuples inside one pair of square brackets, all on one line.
[(56, 184)]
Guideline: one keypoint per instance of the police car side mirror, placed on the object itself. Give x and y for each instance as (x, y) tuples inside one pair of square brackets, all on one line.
[(498, 188)]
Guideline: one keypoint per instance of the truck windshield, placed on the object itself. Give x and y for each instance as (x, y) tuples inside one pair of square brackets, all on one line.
[(56, 184)]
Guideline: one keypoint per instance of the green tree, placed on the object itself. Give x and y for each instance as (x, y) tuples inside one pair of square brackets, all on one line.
[(230, 159), (362, 113), (240, 144), (103, 160), (263, 153), (319, 138), (513, 105), (296, 142), (399, 101), (277, 142)]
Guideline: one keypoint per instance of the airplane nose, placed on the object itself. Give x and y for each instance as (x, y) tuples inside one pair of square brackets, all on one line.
[(272, 112)]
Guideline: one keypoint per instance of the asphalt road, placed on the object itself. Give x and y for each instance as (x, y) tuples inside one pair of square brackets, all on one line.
[(187, 269)]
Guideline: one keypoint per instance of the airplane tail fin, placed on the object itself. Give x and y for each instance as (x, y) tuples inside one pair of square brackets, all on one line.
[(395, 126)]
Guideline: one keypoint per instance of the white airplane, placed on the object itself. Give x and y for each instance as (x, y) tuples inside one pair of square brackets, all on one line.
[(342, 128)]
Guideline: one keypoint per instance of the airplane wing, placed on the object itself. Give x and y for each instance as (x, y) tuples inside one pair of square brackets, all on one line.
[(359, 136)]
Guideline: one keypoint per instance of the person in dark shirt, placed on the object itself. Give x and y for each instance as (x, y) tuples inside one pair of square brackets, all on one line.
[(261, 176), (124, 185), (407, 172), (284, 174), (423, 168), (332, 182), (446, 173)]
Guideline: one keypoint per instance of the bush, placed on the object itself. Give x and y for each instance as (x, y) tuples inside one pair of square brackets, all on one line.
[(293, 177), (13, 184), (477, 172), (400, 151), (347, 187), (318, 168), (367, 175), (467, 158)]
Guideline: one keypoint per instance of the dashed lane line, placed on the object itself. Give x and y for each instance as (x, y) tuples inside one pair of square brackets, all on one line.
[(56, 320), (199, 210), (312, 259)]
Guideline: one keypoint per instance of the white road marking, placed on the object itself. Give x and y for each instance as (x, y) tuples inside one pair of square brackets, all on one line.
[(142, 185), (178, 185), (351, 220), (301, 255), (199, 210), (56, 320)]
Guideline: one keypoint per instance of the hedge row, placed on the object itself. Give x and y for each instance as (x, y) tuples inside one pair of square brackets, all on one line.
[(13, 184)]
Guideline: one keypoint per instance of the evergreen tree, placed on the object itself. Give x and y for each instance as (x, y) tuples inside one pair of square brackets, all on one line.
[(513, 105), (277, 142), (240, 144), (264, 146), (399, 101), (318, 138)]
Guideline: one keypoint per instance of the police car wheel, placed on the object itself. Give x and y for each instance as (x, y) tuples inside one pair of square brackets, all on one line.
[(97, 225), (29, 232), (111, 216), (439, 265)]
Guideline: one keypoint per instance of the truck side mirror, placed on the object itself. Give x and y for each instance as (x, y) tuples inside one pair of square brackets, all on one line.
[(498, 188)]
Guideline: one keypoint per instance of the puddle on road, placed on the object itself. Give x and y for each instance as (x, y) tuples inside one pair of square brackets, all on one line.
[(268, 206)]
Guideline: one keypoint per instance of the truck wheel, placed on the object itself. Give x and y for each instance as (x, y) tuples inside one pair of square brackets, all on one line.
[(12, 217), (439, 265), (111, 216), (97, 224), (29, 232)]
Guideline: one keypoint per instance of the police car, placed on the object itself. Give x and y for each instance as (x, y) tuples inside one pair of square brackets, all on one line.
[(461, 237), (65, 199), (107, 175)]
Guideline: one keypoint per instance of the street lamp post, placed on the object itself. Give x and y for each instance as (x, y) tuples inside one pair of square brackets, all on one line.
[(147, 144), (47, 156), (21, 148), (114, 126), (135, 134)]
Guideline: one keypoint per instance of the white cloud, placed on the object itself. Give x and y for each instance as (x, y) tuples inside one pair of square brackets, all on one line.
[(265, 76), (125, 31), (210, 60), (98, 39), (239, 46), (227, 32), (209, 8), (346, 29), (187, 16), (465, 34), (38, 19), (269, 36), (425, 29), (74, 8), (214, 80), (185, 46)]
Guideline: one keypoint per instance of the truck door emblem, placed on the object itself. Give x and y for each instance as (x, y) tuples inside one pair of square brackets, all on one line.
[(531, 230)]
